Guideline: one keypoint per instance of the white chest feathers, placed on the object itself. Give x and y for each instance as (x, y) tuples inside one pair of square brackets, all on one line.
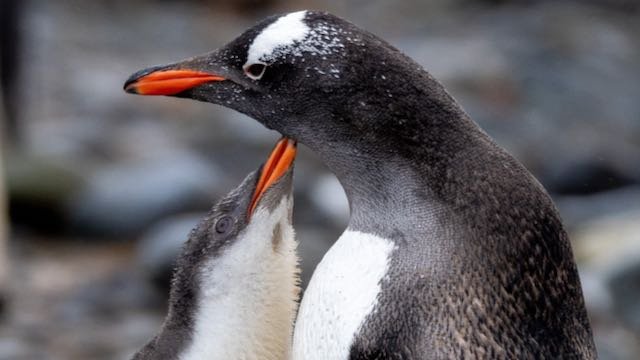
[(249, 294), (342, 292)]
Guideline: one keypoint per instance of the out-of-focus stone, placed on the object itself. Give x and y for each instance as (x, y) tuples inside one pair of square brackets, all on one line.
[(106, 298), (40, 189), (577, 211), (624, 282), (313, 244), (609, 240), (610, 247), (4, 231), (615, 343), (597, 296), (159, 247), (328, 196), (588, 177), (126, 198), (17, 349)]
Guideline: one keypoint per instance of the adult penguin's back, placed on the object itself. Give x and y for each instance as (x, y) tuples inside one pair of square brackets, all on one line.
[(453, 249)]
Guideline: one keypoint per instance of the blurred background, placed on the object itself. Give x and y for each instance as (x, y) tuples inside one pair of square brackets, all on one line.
[(101, 188)]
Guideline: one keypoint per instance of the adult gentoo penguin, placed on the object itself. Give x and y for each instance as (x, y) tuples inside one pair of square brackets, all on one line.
[(235, 288), (453, 249)]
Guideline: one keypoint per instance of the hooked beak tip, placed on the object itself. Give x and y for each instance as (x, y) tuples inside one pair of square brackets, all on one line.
[(129, 87), (279, 162)]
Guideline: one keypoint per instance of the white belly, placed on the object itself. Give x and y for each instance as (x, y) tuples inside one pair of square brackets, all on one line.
[(342, 292)]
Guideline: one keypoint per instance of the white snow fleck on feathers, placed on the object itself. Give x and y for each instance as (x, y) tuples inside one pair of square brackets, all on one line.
[(291, 35)]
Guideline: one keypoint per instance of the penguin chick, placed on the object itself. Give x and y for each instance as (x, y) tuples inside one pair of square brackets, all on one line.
[(235, 288)]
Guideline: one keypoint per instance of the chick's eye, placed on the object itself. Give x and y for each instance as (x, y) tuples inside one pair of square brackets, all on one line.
[(255, 71), (223, 225)]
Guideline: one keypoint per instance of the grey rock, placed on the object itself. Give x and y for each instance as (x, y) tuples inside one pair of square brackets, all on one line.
[(125, 198), (610, 248), (40, 188), (577, 211), (159, 247), (327, 195), (17, 349), (4, 231), (587, 177), (624, 283), (598, 297), (106, 298), (313, 244), (453, 63), (615, 343)]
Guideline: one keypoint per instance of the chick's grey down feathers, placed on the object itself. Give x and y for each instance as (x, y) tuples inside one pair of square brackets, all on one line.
[(203, 245)]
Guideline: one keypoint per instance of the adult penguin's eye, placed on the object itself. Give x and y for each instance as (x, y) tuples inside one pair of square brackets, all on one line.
[(255, 71), (224, 224)]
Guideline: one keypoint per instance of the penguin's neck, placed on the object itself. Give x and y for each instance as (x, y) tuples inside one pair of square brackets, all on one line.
[(387, 160), (247, 301)]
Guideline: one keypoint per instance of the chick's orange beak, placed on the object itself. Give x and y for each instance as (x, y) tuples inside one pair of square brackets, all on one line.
[(280, 160), (167, 82)]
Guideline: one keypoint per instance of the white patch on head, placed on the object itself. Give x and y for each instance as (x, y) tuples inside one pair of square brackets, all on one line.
[(282, 33), (291, 35), (249, 294), (342, 292)]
